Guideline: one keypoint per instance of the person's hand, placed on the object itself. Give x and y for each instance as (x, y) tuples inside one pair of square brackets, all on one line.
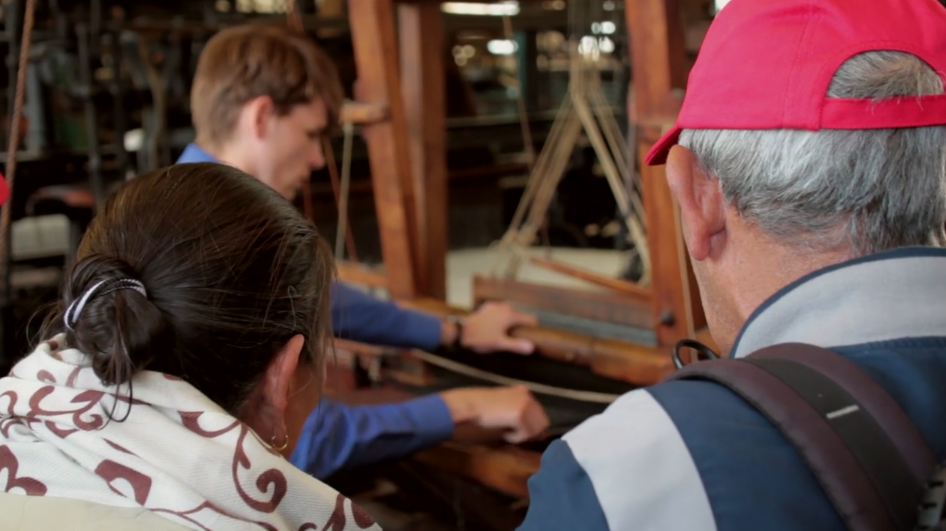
[(513, 411), (487, 330)]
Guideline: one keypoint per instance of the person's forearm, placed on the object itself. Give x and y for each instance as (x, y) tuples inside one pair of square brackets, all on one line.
[(337, 436), (360, 317), (460, 404)]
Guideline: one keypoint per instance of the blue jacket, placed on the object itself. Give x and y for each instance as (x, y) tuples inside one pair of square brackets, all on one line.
[(692, 455), (336, 435)]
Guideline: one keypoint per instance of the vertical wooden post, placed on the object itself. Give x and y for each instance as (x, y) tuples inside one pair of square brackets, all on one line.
[(422, 77), (375, 45), (657, 56), (657, 52)]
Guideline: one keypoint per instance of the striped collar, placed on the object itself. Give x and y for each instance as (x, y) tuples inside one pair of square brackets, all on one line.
[(880, 297)]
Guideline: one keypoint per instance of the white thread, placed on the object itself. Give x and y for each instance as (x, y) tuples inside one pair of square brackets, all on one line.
[(572, 394)]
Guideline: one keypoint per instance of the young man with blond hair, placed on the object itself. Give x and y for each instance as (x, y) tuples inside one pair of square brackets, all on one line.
[(262, 99)]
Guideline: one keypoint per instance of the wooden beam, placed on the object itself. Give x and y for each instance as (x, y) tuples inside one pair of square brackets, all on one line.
[(375, 46), (657, 48), (658, 56), (616, 285), (612, 358), (363, 113), (677, 308), (506, 468), (422, 76), (622, 309), (360, 274)]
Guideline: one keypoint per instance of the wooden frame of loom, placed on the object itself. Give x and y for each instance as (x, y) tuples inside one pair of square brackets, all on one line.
[(407, 157), (408, 172)]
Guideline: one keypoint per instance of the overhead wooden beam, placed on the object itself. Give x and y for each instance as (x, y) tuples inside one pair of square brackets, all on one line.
[(375, 45), (422, 77)]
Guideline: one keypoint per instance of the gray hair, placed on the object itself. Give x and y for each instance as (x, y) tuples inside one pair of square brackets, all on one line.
[(862, 190)]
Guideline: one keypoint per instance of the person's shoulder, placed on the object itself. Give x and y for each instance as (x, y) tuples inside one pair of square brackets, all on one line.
[(638, 465), (646, 420), (693, 441), (699, 442)]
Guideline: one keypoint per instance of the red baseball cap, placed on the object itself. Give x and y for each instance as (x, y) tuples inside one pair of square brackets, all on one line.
[(767, 64)]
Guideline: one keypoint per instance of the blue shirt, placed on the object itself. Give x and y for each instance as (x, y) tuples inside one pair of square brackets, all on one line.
[(337, 435), (693, 455)]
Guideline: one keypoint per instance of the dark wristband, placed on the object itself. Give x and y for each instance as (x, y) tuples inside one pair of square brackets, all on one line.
[(457, 321)]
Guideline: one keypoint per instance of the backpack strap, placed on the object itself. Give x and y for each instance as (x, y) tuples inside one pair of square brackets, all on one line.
[(869, 457)]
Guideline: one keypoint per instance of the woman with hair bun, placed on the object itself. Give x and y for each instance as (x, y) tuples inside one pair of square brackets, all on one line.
[(179, 368)]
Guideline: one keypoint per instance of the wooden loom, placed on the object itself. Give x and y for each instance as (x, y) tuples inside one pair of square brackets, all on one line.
[(408, 171), (407, 157)]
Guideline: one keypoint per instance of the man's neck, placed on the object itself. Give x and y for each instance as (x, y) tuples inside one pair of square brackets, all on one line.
[(229, 154), (766, 269)]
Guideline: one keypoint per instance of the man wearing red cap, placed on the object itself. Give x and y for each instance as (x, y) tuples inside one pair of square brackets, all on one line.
[(809, 164)]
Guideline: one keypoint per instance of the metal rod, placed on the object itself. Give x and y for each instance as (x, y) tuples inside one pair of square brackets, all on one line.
[(7, 322), (118, 105), (91, 125), (520, 101), (13, 145), (340, 231), (332, 167)]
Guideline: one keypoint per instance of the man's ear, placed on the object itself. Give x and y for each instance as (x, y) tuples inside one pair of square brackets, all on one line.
[(702, 206), (260, 111)]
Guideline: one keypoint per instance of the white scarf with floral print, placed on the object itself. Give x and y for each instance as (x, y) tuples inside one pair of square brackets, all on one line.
[(175, 452)]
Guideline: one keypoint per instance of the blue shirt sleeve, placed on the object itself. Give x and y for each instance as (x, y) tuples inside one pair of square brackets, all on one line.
[(337, 436), (360, 317), (561, 495)]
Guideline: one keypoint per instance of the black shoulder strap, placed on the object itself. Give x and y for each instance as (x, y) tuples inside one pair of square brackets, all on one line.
[(870, 458)]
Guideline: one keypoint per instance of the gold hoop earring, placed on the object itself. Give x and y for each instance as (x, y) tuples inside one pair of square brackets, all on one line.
[(281, 447)]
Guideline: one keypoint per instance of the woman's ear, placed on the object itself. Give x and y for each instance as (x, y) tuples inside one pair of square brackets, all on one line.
[(265, 411), (280, 373)]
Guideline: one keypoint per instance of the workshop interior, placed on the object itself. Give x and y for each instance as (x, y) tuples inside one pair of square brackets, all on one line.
[(506, 141), (533, 194)]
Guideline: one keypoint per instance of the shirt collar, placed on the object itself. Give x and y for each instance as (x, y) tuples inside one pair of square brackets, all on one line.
[(194, 153), (880, 297)]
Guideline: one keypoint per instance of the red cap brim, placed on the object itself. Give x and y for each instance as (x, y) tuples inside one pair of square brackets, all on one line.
[(658, 153)]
